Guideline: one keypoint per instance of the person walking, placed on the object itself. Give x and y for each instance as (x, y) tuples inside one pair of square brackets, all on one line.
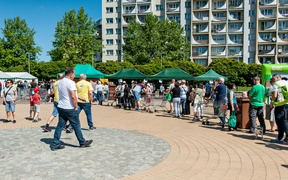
[(256, 96), (55, 103), (183, 97), (220, 100), (99, 89), (9, 99), (85, 99), (68, 110)]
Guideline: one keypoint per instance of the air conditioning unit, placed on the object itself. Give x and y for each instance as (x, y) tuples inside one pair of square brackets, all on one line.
[(279, 51), (273, 39)]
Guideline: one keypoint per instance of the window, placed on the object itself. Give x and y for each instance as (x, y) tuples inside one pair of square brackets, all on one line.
[(118, 31), (187, 4), (142, 18), (109, 0), (187, 16), (251, 36), (251, 25), (109, 52), (118, 52), (202, 62), (109, 10), (109, 31), (188, 38), (118, 9), (109, 41), (251, 13), (187, 27), (118, 41), (159, 7), (252, 2), (109, 20)]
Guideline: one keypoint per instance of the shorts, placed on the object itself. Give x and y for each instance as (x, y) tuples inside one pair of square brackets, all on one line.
[(32, 108), (37, 108), (136, 95), (55, 110), (10, 106), (207, 95)]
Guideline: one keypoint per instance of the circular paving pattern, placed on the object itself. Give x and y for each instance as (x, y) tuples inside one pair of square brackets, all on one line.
[(26, 153)]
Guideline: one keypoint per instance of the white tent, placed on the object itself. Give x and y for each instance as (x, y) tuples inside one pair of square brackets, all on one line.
[(4, 75), (21, 75)]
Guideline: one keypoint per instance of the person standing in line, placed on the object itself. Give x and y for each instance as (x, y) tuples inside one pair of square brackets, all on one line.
[(162, 90), (270, 111), (280, 110), (220, 100), (85, 99), (183, 97), (9, 98), (106, 91), (55, 103), (176, 99), (137, 94), (68, 110), (171, 86), (256, 96), (232, 102), (99, 89)]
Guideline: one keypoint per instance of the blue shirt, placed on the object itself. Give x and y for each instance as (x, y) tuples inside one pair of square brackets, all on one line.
[(220, 92), (207, 88)]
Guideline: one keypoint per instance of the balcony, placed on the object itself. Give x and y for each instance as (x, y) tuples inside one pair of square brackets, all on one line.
[(173, 10), (218, 40), (235, 52), (235, 40), (235, 30), (129, 1), (282, 38), (143, 1), (216, 19), (129, 10), (200, 17), (219, 29), (236, 5), (283, 50), (144, 9), (200, 6), (268, 15), (267, 26), (235, 16), (266, 50), (267, 39), (200, 41), (267, 3), (283, 3), (200, 29), (172, 1), (283, 28), (219, 6), (218, 52), (195, 53)]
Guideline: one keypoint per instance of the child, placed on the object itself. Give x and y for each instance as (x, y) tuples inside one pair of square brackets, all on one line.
[(32, 109), (36, 101)]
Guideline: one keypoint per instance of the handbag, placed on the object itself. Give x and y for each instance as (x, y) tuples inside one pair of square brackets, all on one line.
[(232, 120), (4, 102), (168, 96)]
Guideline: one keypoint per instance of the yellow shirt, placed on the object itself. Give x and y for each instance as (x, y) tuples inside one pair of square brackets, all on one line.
[(55, 90), (83, 89)]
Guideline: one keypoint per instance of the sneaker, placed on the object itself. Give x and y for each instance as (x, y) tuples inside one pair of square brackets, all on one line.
[(86, 144), (6, 121), (68, 130), (277, 141), (58, 147), (14, 121), (92, 128), (35, 120), (46, 129)]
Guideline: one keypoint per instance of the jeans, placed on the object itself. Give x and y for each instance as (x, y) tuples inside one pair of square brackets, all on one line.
[(256, 111), (281, 120), (55, 110), (99, 97), (95, 97), (65, 115), (176, 104), (127, 102), (87, 109), (183, 104), (9, 106), (106, 95)]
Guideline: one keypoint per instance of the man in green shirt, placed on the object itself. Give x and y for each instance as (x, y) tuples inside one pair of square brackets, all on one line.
[(256, 96)]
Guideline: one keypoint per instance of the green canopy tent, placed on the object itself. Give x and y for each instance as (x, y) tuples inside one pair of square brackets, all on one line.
[(171, 73), (87, 69), (127, 73), (209, 76)]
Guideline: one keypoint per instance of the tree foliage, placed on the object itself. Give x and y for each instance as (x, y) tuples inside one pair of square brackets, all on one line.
[(17, 45), (154, 39), (75, 38)]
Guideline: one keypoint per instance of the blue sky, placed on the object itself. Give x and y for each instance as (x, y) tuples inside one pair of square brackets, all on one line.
[(43, 15)]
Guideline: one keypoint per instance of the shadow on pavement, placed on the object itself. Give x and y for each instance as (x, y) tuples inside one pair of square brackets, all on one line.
[(284, 165), (49, 141)]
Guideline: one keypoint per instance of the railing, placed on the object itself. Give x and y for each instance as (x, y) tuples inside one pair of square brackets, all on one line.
[(220, 18), (261, 52), (220, 41), (265, 3), (237, 41), (233, 30), (202, 41), (216, 53), (129, 1)]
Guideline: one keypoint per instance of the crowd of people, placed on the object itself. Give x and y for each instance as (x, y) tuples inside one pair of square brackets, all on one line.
[(70, 98)]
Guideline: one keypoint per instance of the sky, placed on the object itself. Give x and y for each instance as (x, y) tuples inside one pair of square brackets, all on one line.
[(43, 15)]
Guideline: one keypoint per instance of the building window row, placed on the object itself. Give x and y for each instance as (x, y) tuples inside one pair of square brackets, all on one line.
[(111, 31), (111, 52)]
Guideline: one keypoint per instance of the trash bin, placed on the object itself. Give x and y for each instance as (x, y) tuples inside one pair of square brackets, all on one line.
[(243, 113)]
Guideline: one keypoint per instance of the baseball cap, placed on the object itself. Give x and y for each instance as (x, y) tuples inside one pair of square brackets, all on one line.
[(36, 90), (256, 78)]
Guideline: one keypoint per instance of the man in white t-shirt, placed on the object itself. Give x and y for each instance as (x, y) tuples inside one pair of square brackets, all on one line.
[(68, 110), (280, 111)]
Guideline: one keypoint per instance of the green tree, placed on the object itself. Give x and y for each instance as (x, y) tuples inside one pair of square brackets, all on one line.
[(17, 44), (154, 39), (253, 70), (235, 71), (111, 67), (75, 38)]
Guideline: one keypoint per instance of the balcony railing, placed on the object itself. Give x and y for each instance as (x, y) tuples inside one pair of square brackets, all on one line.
[(129, 1), (202, 41), (216, 53), (220, 41)]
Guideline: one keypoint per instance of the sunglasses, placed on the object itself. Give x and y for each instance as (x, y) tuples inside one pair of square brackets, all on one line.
[(9, 82)]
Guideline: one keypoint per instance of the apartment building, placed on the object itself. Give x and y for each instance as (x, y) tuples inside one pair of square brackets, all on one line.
[(252, 31)]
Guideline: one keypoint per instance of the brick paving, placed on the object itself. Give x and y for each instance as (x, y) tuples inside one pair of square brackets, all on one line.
[(138, 145)]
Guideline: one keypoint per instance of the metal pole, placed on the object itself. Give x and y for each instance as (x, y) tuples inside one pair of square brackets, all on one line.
[(29, 63)]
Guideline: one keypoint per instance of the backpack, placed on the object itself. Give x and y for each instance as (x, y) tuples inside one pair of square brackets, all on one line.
[(282, 97)]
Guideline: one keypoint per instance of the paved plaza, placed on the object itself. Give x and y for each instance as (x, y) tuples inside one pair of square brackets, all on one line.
[(137, 145)]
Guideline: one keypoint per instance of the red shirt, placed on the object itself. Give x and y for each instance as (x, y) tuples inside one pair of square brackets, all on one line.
[(31, 101), (36, 99)]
